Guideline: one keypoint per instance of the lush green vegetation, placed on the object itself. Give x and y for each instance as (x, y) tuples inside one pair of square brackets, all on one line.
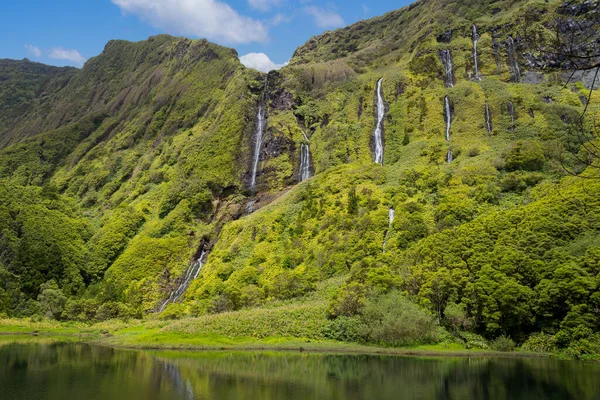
[(145, 156)]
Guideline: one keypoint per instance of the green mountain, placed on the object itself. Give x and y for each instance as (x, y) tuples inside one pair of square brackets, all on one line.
[(165, 178)]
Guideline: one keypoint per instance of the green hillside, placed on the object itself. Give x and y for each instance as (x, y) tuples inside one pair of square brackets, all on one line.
[(118, 177)]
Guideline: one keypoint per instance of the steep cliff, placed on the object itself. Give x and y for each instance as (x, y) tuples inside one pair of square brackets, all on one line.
[(182, 163)]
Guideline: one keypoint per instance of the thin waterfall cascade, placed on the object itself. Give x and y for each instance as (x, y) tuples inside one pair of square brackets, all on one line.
[(304, 172), (513, 115), (378, 133), (446, 59), (258, 139), (261, 124), (391, 216), (191, 273), (513, 64), (475, 55), (447, 116), (497, 58), (488, 119), (448, 119)]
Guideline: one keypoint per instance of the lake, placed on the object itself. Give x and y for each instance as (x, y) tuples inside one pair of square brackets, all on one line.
[(46, 370)]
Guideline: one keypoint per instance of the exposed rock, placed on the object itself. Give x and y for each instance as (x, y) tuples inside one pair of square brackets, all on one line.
[(497, 58), (181, 49), (400, 88), (281, 99), (275, 144), (587, 78), (360, 106), (445, 37), (532, 78), (513, 61), (577, 9)]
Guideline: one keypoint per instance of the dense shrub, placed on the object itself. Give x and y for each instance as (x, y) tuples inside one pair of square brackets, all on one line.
[(391, 319), (343, 329), (173, 311), (540, 343), (503, 343), (52, 300), (348, 301), (456, 317), (525, 155)]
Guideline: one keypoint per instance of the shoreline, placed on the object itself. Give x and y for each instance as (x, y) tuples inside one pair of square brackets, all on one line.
[(336, 348)]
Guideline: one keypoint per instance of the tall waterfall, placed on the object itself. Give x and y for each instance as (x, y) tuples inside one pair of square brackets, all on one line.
[(304, 162), (475, 57), (304, 172), (513, 115), (378, 133), (513, 64), (488, 119), (446, 59), (191, 273), (447, 116), (258, 139), (391, 216)]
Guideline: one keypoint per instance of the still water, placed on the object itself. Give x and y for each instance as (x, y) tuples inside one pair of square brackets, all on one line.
[(46, 370)]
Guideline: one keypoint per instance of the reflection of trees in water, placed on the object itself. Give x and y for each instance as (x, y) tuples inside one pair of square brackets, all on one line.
[(118, 374), (295, 376)]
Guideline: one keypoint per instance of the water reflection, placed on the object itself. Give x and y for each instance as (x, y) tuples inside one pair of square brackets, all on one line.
[(78, 371)]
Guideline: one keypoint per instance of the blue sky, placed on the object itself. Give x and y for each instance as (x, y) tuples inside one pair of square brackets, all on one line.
[(266, 32)]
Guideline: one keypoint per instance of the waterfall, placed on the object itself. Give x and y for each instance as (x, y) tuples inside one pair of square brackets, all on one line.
[(446, 59), (488, 119), (258, 138), (304, 172), (447, 116), (378, 133), (391, 216), (257, 144), (511, 111), (475, 57), (191, 273), (513, 64), (304, 162)]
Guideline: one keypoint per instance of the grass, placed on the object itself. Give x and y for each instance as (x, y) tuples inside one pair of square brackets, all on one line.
[(161, 335)]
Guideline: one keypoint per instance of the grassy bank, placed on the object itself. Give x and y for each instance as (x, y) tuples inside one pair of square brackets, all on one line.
[(175, 336)]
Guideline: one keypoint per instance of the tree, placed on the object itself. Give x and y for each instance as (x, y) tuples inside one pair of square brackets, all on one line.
[(52, 300), (575, 46), (456, 317)]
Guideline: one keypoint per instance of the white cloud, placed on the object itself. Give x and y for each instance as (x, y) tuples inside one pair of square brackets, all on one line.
[(324, 18), (33, 50), (212, 19), (260, 62), (71, 55), (264, 5), (279, 19)]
